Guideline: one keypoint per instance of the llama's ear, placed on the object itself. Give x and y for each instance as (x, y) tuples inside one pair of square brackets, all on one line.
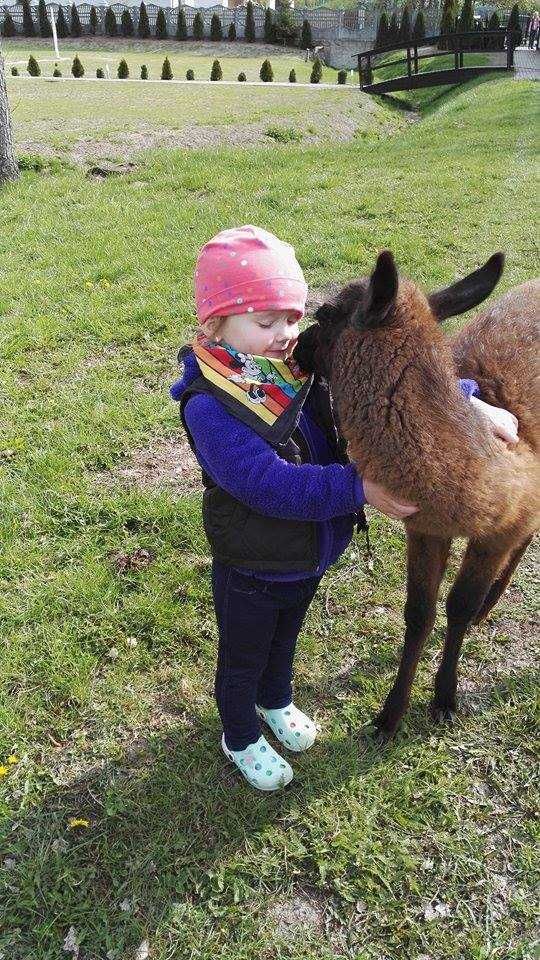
[(469, 292), (380, 293)]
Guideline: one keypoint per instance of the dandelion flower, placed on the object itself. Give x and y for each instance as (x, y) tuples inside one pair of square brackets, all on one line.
[(3, 771), (78, 822), (12, 758)]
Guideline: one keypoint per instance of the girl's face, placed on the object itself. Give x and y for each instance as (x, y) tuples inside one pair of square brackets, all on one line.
[(269, 333)]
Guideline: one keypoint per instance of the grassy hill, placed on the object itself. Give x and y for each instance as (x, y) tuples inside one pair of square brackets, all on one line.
[(121, 822)]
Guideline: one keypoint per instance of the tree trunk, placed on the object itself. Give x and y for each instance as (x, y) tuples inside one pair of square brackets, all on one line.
[(8, 165)]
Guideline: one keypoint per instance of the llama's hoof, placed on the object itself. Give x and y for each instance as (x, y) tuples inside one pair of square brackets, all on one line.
[(386, 724), (444, 712)]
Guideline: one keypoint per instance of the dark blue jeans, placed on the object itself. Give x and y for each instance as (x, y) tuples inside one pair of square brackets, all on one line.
[(259, 622)]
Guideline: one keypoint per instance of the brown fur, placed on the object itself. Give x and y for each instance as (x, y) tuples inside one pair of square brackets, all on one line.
[(393, 375)]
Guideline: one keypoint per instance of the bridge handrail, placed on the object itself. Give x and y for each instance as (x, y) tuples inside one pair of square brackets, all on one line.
[(431, 41)]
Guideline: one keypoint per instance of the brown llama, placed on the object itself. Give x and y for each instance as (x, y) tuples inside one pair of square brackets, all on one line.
[(393, 376)]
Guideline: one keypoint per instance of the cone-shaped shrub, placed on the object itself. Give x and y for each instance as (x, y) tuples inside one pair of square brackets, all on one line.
[(266, 73), (242, 77), (216, 30), (144, 72), (77, 68), (216, 72), (292, 76), (466, 21), (447, 26), (198, 26), (269, 35), (306, 39), (111, 28), (94, 21), (126, 25), (62, 28), (123, 70), (419, 31), (143, 26), (181, 25), (9, 30), (28, 29), (56, 72), (231, 35), (14, 72), (190, 75), (382, 31), (33, 67), (514, 24), (249, 29), (166, 72), (44, 22), (316, 71), (76, 26), (342, 77), (393, 29), (161, 25), (405, 26), (99, 74), (494, 23)]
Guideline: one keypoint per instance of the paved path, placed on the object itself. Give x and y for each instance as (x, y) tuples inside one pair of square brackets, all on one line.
[(527, 64)]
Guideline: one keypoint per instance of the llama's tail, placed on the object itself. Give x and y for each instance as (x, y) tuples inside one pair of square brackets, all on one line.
[(500, 349)]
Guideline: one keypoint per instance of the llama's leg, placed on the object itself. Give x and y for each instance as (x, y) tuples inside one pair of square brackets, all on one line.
[(479, 570), (501, 583), (426, 563)]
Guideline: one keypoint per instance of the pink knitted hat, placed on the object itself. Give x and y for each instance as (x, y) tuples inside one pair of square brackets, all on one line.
[(247, 269)]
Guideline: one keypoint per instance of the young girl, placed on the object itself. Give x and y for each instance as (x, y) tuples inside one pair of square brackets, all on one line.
[(281, 497)]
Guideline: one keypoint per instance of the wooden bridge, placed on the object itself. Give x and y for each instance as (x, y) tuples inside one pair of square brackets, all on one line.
[(458, 45)]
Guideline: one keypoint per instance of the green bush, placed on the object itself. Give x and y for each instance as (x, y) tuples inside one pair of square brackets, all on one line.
[(44, 22), (292, 76), (405, 27), (382, 31), (161, 25), (419, 31), (56, 71), (266, 73), (514, 24), (100, 74), (181, 25), (144, 72), (14, 72), (285, 26), (76, 26), (126, 24), (306, 38), (190, 75), (8, 27), (111, 28), (249, 29), (242, 77), (123, 70), (62, 28), (342, 77), (94, 21), (316, 71), (33, 67), (143, 26), (216, 72), (393, 29), (198, 26), (77, 68), (283, 134), (28, 29), (448, 24), (166, 72), (269, 34), (216, 30), (232, 32)]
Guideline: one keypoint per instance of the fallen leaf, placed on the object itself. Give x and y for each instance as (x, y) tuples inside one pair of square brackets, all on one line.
[(70, 944), (143, 951)]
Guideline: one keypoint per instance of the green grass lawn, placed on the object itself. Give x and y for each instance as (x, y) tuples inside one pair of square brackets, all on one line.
[(422, 849)]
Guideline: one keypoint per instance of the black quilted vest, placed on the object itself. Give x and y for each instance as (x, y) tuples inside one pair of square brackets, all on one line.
[(241, 537)]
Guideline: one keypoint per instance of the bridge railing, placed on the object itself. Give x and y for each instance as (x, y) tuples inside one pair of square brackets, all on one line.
[(457, 44)]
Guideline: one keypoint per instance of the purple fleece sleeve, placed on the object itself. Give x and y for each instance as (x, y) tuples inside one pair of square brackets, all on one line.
[(469, 388), (245, 465)]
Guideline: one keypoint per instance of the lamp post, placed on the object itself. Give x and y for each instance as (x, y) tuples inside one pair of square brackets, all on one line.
[(55, 35)]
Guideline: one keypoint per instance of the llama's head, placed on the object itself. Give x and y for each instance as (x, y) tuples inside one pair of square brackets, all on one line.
[(384, 301)]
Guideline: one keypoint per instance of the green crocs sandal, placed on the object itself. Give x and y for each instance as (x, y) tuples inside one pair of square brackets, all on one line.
[(292, 728), (261, 766)]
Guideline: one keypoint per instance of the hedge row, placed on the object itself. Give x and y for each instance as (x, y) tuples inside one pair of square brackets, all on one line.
[(266, 72), (279, 27)]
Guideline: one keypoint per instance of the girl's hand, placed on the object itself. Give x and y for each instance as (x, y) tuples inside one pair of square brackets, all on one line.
[(383, 501), (503, 423)]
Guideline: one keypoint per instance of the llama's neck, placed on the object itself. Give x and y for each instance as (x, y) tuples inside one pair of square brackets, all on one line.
[(407, 424)]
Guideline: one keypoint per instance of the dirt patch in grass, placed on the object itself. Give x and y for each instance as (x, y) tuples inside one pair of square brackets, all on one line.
[(166, 463)]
